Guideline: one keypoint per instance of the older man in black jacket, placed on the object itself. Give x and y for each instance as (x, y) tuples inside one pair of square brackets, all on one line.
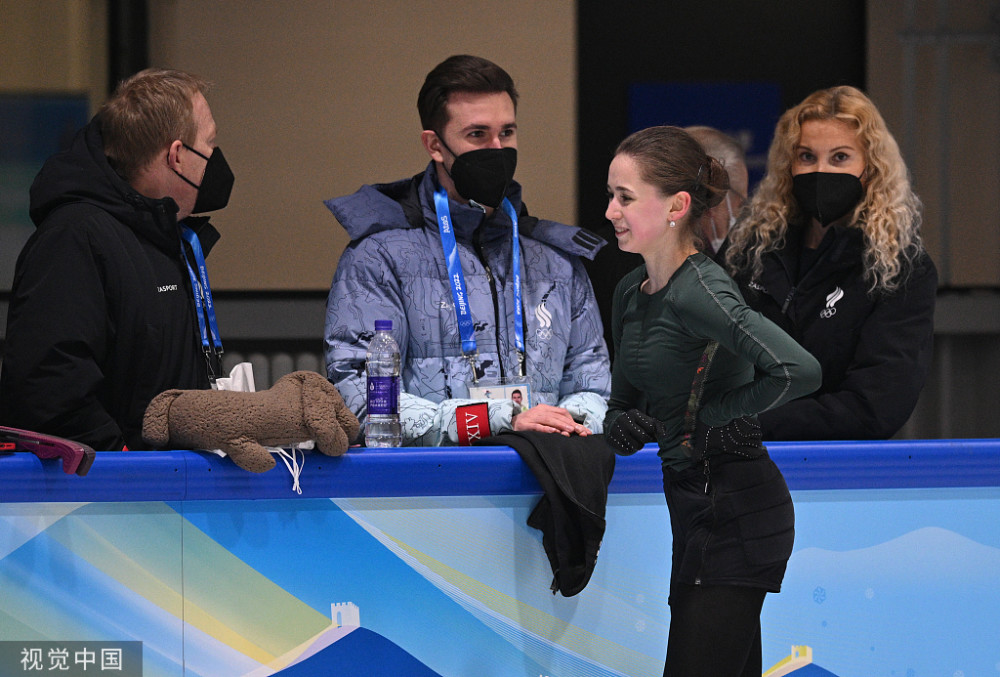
[(111, 303)]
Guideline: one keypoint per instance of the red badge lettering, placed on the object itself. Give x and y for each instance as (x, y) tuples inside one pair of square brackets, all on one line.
[(473, 423)]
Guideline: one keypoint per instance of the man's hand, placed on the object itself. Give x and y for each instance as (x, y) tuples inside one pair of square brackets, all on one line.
[(632, 430), (548, 419)]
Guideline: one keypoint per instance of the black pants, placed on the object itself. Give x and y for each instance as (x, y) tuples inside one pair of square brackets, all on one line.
[(714, 631)]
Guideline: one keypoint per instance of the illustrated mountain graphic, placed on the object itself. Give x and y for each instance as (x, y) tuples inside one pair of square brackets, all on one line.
[(362, 653)]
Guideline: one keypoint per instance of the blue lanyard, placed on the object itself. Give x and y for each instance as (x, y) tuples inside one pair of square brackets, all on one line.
[(516, 264), (202, 295), (459, 291)]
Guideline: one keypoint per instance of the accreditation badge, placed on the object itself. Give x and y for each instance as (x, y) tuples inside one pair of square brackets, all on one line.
[(520, 393), (472, 420)]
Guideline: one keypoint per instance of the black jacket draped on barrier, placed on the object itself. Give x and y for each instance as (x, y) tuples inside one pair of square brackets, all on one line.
[(574, 473)]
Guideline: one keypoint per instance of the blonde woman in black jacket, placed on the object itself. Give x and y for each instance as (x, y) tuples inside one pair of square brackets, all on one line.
[(830, 250)]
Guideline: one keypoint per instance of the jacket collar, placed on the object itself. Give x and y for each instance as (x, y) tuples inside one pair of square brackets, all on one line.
[(409, 203), (840, 249), (466, 219)]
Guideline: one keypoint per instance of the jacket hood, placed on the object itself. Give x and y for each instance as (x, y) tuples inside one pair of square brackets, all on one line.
[(82, 174), (410, 204)]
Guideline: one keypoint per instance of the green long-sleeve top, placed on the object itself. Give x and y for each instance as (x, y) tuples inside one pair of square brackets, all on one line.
[(659, 340)]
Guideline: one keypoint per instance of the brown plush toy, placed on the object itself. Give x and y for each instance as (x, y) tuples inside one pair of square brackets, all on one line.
[(300, 406)]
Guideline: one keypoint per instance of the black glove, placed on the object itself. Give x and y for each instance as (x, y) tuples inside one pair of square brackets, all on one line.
[(741, 436), (632, 430)]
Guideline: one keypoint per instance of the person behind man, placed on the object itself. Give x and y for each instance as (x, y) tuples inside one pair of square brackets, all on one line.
[(716, 221), (436, 254), (103, 308)]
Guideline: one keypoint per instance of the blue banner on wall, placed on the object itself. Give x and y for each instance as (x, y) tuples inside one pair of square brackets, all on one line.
[(32, 127), (747, 111)]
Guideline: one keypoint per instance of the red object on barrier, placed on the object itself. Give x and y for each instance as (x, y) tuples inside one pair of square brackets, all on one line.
[(76, 457), (473, 423)]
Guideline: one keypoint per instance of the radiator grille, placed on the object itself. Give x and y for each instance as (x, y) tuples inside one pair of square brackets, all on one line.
[(269, 367)]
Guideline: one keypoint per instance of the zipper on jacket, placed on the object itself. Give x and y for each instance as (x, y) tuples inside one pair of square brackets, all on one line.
[(706, 469), (788, 299), (478, 245), (809, 274)]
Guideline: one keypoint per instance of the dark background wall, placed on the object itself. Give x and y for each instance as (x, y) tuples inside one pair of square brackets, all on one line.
[(800, 47)]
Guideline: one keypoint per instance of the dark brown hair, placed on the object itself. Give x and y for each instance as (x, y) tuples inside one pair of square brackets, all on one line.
[(459, 73), (670, 159)]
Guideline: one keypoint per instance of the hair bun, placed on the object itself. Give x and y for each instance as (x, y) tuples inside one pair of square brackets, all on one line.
[(714, 182)]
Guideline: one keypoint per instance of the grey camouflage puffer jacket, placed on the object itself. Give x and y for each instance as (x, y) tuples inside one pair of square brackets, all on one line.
[(394, 269)]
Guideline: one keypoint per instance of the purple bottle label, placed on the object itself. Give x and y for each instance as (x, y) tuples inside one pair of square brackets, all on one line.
[(383, 395)]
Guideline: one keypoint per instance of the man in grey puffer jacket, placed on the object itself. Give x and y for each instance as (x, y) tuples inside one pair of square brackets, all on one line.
[(454, 316)]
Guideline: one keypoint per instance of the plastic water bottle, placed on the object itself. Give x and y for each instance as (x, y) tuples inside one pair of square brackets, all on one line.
[(382, 427)]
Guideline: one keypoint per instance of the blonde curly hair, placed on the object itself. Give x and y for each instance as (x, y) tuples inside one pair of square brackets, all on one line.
[(889, 215)]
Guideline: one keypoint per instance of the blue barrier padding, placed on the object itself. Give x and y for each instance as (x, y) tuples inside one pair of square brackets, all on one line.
[(475, 471)]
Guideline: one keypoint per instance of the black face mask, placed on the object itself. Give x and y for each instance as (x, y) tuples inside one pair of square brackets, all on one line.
[(483, 175), (827, 196), (216, 184)]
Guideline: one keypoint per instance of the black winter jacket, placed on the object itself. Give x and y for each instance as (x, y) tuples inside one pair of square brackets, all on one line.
[(574, 472), (101, 316), (875, 349)]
